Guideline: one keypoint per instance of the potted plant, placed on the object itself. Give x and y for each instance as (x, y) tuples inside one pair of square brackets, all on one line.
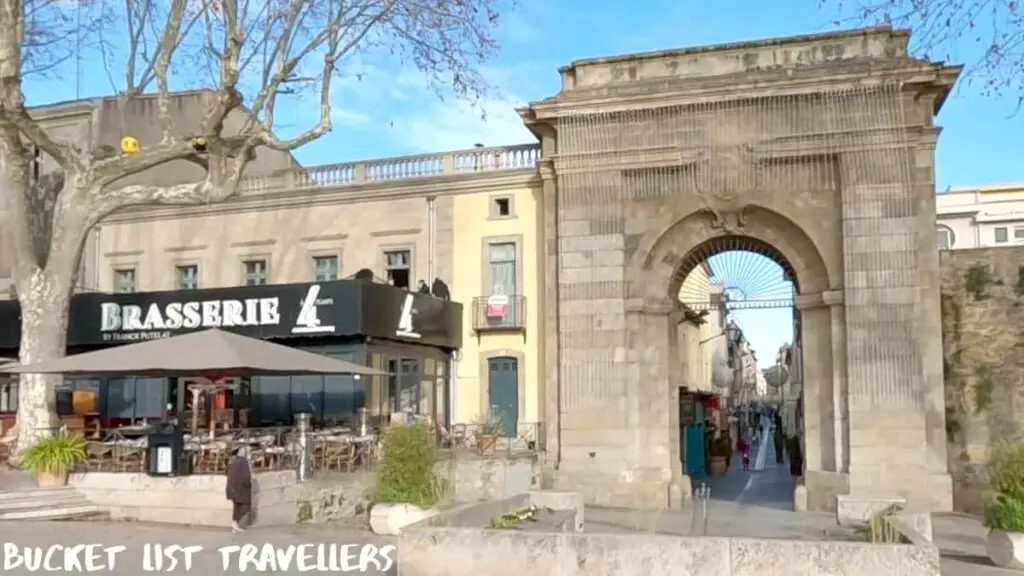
[(1004, 513), (488, 428), (408, 489), (52, 457)]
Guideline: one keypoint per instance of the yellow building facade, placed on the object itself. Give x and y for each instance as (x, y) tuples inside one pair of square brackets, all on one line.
[(496, 276), (467, 218)]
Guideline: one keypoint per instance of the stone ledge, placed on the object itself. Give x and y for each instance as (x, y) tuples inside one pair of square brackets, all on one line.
[(428, 551), (191, 500)]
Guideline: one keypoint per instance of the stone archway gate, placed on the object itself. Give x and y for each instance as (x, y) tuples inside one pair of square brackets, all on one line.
[(819, 146)]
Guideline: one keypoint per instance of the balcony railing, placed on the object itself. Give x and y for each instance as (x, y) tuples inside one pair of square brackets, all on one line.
[(499, 313), (496, 159)]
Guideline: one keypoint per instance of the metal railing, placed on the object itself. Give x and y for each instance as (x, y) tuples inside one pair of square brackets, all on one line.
[(503, 313), (470, 439)]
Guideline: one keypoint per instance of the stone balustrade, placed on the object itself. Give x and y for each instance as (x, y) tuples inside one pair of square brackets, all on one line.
[(518, 157)]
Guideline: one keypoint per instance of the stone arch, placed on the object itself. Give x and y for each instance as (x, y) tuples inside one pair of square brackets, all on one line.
[(678, 239), (663, 254)]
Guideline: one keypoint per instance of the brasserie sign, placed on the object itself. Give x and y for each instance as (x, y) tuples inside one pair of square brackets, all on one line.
[(127, 322)]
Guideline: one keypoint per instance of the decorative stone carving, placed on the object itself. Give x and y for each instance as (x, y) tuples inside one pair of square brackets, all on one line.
[(723, 177)]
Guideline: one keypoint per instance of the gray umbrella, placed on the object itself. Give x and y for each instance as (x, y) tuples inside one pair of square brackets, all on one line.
[(211, 353)]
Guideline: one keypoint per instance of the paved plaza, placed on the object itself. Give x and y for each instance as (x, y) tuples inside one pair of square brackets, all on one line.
[(755, 504)]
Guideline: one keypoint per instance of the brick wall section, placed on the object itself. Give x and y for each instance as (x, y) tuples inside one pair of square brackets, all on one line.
[(983, 350)]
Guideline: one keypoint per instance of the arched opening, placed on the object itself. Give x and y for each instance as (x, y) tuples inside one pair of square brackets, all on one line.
[(737, 341), (679, 239)]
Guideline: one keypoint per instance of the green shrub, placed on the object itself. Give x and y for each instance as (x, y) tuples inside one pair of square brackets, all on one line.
[(1006, 474), (406, 472), (54, 454), (1005, 513), (1006, 470)]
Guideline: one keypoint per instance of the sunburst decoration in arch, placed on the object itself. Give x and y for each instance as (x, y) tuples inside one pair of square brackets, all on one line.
[(737, 273)]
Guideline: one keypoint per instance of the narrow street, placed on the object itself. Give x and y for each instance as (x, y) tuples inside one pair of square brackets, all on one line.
[(767, 485)]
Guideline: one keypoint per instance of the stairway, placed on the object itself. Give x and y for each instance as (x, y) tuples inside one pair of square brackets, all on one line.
[(46, 504)]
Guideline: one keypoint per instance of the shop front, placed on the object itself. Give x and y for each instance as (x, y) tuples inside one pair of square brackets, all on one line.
[(411, 336)]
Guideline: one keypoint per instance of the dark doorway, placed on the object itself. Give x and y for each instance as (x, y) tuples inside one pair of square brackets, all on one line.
[(503, 392)]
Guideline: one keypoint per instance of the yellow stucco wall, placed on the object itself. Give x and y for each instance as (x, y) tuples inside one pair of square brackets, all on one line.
[(475, 226), (702, 347)]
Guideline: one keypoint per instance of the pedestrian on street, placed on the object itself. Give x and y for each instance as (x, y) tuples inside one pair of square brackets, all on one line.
[(744, 449), (777, 442), (238, 489)]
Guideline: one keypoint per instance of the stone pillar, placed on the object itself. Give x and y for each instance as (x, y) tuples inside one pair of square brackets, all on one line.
[(886, 340), (549, 381), (822, 479), (652, 397), (930, 311)]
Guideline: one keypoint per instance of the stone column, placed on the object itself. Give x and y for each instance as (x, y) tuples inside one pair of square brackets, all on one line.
[(821, 480), (886, 340), (930, 311), (550, 385), (652, 399)]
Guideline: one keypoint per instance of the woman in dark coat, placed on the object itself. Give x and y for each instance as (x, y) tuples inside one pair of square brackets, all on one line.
[(238, 488)]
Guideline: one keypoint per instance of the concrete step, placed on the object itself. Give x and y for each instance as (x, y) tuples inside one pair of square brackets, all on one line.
[(61, 498), (42, 493), (60, 512), (46, 504)]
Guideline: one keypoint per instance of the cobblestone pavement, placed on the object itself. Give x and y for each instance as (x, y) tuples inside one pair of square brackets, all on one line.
[(258, 544)]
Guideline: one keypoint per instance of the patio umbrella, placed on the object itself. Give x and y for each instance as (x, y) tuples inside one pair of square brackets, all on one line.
[(213, 354)]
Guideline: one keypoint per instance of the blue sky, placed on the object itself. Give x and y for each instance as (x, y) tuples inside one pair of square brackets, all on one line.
[(381, 109)]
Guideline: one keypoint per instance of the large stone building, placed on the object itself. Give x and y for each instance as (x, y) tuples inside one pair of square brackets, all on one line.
[(815, 151)]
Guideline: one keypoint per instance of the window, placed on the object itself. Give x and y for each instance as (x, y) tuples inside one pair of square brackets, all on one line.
[(255, 272), (325, 268), (501, 257), (124, 280), (397, 266), (1018, 234), (1001, 235), (944, 237), (502, 207), (187, 277)]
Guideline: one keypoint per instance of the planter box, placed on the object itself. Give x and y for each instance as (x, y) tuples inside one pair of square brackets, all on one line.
[(1005, 549), (389, 519)]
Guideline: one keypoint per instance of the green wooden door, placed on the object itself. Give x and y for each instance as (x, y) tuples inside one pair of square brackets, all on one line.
[(503, 391)]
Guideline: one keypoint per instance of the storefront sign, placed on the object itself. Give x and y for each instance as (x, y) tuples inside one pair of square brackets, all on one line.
[(406, 329), (120, 322), (308, 321), (340, 309), (687, 410)]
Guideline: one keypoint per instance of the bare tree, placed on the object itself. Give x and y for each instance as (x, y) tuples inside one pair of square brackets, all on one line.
[(255, 52), (953, 29)]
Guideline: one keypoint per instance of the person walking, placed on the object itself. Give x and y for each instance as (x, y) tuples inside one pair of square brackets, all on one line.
[(238, 489), (743, 447)]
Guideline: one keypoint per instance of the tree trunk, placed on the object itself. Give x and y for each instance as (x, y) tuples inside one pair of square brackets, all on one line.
[(45, 298)]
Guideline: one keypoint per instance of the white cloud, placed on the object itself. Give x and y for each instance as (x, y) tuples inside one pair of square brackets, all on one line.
[(458, 125), (406, 105), (346, 117)]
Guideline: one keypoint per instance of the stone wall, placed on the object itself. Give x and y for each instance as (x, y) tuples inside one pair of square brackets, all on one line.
[(193, 500), (983, 352)]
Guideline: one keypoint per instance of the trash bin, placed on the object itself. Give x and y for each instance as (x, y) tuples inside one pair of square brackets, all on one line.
[(166, 454)]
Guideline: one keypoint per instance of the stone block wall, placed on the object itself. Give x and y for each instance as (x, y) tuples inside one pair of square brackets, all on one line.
[(194, 500), (983, 353)]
